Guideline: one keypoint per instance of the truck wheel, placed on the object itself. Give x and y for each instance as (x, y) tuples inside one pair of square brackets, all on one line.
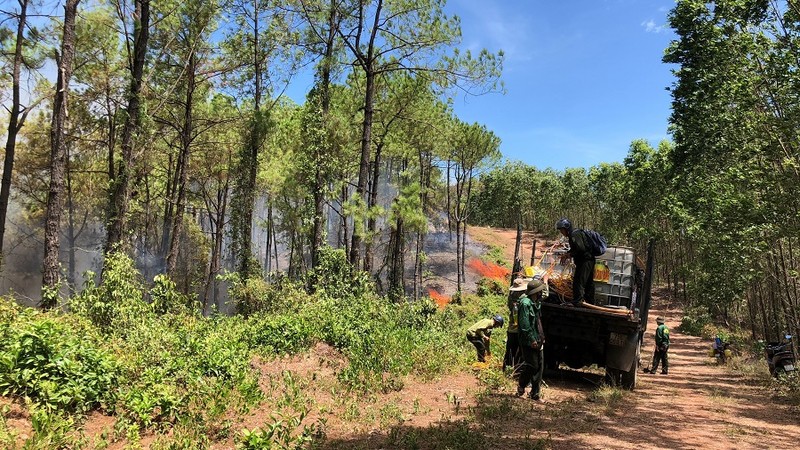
[(629, 377)]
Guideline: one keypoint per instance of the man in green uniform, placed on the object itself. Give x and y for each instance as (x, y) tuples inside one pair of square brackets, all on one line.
[(513, 356), (480, 333), (581, 253), (662, 348), (531, 339)]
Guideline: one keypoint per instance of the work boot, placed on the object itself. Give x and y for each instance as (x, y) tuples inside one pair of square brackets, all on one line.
[(646, 370), (664, 372), (520, 391)]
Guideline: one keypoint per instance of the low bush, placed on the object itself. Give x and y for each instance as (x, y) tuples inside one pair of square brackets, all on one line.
[(278, 334), (57, 363)]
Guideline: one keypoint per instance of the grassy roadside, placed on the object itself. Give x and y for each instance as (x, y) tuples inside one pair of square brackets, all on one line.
[(171, 378)]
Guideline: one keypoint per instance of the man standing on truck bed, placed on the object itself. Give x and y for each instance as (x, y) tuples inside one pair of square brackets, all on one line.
[(581, 253)]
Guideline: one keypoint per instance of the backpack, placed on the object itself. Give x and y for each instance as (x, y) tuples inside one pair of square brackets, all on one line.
[(597, 243)]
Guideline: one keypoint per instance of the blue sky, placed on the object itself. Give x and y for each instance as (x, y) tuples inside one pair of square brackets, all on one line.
[(583, 77)]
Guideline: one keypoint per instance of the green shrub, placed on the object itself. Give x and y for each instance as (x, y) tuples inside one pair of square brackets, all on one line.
[(56, 363), (250, 295), (164, 297), (281, 433), (335, 277), (694, 320), (282, 334), (491, 286), (117, 304), (496, 255)]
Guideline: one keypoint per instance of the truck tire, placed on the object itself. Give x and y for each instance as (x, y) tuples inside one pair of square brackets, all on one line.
[(629, 377)]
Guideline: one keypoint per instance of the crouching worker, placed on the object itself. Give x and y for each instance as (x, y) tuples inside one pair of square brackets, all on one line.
[(480, 334), (531, 339)]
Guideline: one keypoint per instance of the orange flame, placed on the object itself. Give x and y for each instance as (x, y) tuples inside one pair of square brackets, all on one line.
[(440, 299), (489, 270)]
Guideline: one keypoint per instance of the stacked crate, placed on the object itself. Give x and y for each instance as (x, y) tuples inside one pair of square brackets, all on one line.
[(619, 288)]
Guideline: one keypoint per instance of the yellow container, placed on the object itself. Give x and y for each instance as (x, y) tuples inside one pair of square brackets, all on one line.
[(529, 272)]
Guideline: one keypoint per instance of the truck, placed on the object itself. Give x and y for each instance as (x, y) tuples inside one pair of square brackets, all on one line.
[(609, 333)]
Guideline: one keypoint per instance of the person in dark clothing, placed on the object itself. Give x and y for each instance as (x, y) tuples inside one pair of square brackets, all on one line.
[(581, 254), (662, 348), (531, 339), (513, 357), (480, 334)]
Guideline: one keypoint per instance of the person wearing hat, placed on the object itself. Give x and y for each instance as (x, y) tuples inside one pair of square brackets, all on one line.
[(531, 338), (662, 347), (513, 357), (480, 334)]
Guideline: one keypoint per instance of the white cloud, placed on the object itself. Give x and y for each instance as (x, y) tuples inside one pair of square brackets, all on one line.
[(651, 27)]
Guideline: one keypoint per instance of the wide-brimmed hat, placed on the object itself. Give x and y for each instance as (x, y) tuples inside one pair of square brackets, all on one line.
[(519, 285), (535, 286), (659, 320)]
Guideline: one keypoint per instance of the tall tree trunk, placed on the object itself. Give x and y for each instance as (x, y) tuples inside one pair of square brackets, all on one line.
[(182, 167), (15, 121), (363, 166), (459, 261), (215, 264), (169, 207), (373, 201), (344, 238), (58, 151), (396, 257), (319, 174), (120, 187), (448, 206), (71, 237), (270, 226)]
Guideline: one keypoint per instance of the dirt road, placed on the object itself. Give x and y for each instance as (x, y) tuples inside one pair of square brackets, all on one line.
[(699, 405)]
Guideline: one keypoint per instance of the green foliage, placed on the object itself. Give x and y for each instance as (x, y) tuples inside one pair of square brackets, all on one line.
[(283, 334), (496, 255), (694, 321), (58, 364), (117, 302), (254, 295), (281, 433), (334, 276), (164, 296), (51, 429), (490, 286), (250, 294)]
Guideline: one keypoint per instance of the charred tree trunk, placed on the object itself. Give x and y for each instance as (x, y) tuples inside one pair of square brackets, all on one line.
[(58, 163)]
